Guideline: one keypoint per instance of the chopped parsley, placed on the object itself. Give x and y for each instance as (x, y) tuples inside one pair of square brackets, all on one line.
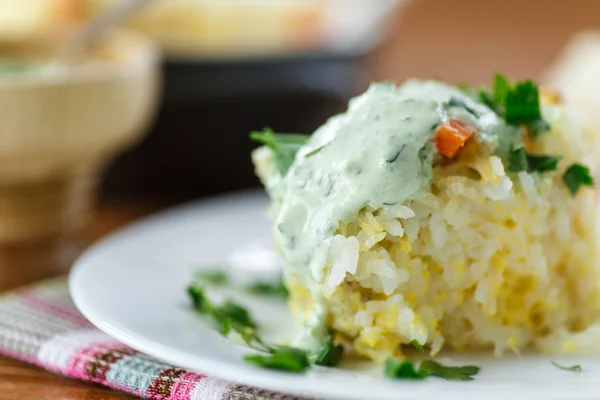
[(273, 289), (330, 354), (217, 278), (432, 368), (522, 103), (501, 89), (576, 176), (315, 151), (227, 317), (572, 368), (519, 160), (518, 104), (542, 163), (418, 345), (284, 146), (282, 358), (401, 369)]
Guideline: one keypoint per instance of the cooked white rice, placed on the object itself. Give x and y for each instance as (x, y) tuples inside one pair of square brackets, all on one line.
[(485, 261)]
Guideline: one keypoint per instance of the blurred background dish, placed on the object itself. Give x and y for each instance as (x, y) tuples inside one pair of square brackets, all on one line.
[(237, 65)]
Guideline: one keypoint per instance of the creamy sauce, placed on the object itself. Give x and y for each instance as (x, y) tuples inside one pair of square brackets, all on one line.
[(377, 153)]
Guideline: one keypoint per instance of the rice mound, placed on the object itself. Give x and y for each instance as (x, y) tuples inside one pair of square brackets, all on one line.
[(486, 260)]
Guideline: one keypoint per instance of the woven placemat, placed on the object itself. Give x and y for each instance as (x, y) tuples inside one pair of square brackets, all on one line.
[(40, 324)]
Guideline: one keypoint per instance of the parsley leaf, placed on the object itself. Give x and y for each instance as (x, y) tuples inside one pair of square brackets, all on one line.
[(248, 335), (234, 312), (330, 354), (400, 369), (217, 278), (572, 368), (202, 304), (315, 151), (519, 160), (283, 358), (284, 146), (501, 89), (228, 317), (432, 368), (274, 289), (576, 176), (518, 104), (522, 103), (542, 163), (418, 345)]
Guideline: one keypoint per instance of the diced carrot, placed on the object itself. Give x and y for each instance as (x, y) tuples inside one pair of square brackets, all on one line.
[(452, 136)]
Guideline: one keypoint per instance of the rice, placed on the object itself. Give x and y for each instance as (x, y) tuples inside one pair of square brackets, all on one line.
[(481, 264), (483, 260)]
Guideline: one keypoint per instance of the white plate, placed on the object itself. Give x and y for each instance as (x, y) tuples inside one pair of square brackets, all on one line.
[(132, 286)]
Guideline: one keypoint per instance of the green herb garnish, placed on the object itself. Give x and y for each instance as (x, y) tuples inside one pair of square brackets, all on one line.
[(519, 160), (454, 102), (315, 151), (282, 358), (501, 89), (542, 163), (200, 302), (401, 369), (518, 104), (522, 104), (406, 370), (274, 289), (432, 368), (418, 345), (284, 146), (572, 368), (576, 176), (330, 354), (227, 317), (216, 278)]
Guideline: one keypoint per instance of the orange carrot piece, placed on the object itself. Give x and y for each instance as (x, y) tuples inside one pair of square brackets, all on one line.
[(452, 136)]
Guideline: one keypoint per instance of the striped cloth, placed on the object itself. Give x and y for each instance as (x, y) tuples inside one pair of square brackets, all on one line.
[(39, 324)]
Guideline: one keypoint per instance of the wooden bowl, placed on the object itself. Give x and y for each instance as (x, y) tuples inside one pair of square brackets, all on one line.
[(58, 128)]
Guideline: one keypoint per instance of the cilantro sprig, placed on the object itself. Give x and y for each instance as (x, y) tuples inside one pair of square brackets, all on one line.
[(284, 146), (519, 160), (572, 368), (403, 369), (576, 176), (330, 354), (464, 373), (281, 358), (518, 104), (228, 317)]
